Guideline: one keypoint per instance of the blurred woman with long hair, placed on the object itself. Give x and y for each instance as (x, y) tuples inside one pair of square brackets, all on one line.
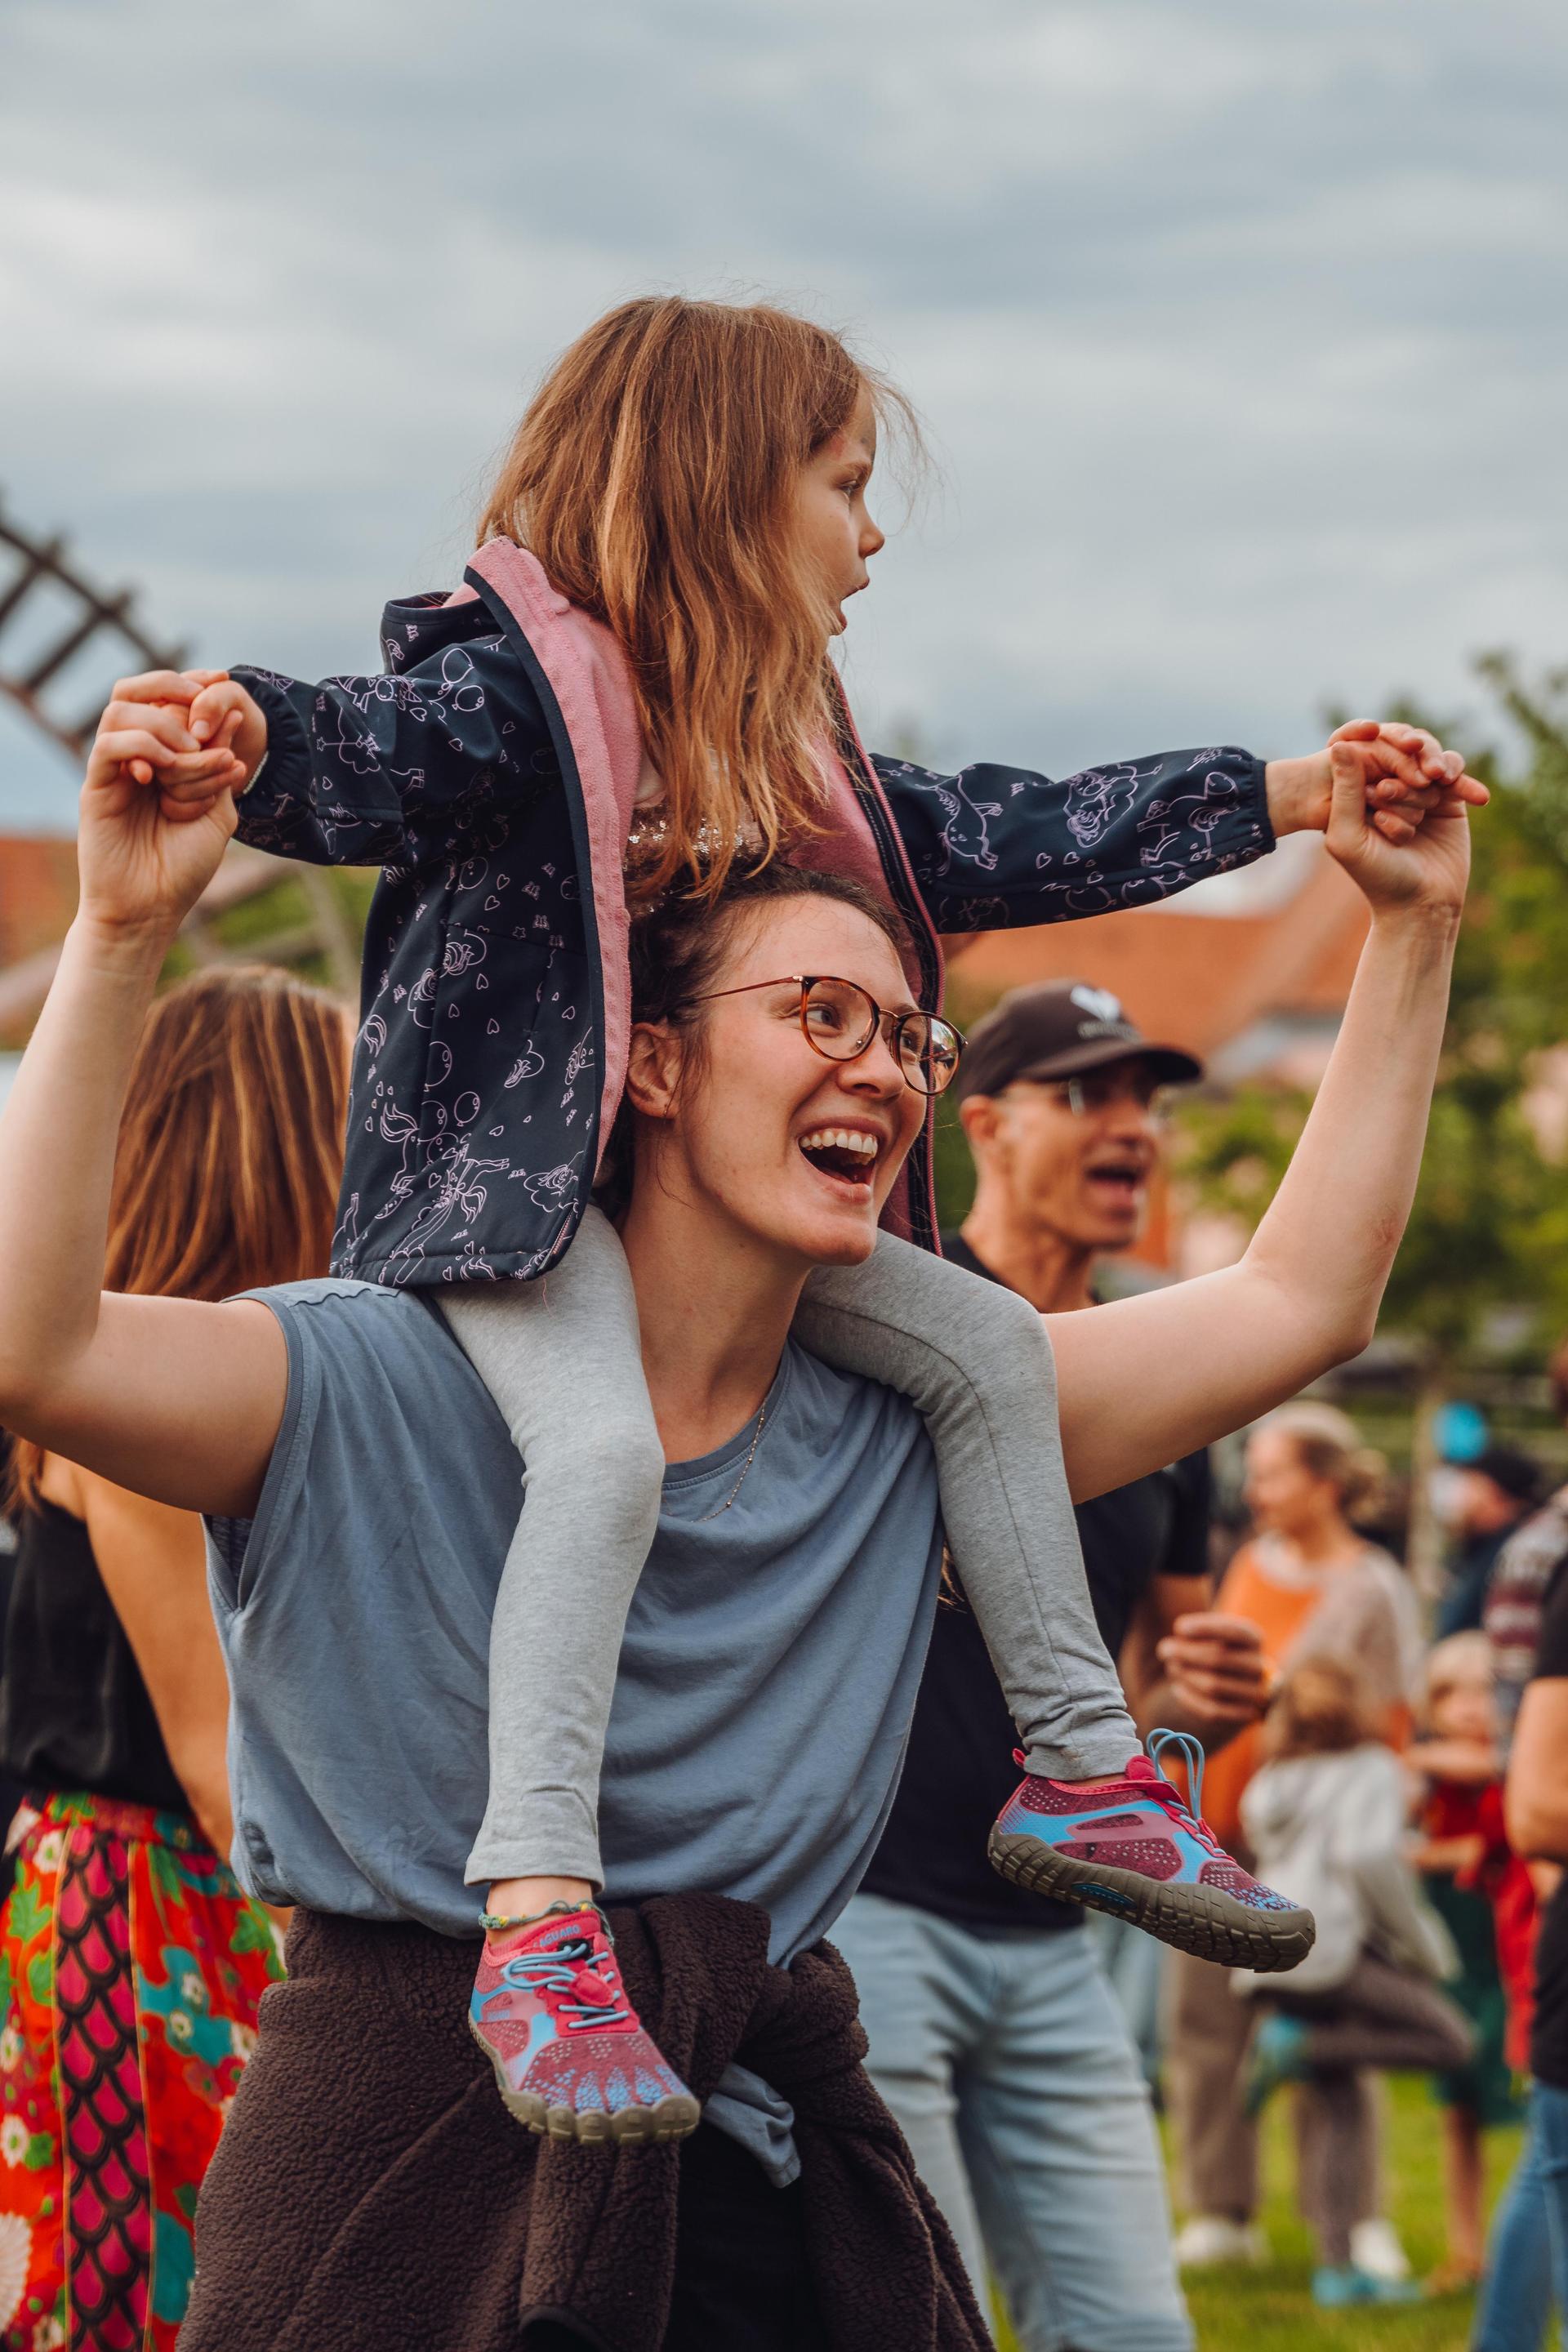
[(1315, 1587), (130, 1964), (1327, 1815)]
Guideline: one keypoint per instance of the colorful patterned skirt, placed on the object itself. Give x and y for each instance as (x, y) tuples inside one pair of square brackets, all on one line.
[(130, 1970)]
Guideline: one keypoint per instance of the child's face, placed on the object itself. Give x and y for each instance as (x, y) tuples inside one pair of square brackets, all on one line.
[(833, 517), (1464, 1710)]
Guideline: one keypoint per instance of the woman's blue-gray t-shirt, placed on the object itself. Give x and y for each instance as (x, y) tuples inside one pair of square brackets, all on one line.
[(767, 1677)]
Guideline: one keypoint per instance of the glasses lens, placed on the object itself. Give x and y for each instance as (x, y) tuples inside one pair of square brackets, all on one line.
[(1104, 1090), (927, 1052), (840, 1019)]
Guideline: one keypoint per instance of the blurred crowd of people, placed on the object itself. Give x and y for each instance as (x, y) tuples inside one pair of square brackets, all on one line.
[(1392, 1762), (1397, 1767)]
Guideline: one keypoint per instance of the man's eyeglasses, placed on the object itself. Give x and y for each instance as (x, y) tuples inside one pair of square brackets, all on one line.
[(839, 1020), (1102, 1090)]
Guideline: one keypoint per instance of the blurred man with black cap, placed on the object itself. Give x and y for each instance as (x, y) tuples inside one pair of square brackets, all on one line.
[(1492, 1495), (994, 2036)]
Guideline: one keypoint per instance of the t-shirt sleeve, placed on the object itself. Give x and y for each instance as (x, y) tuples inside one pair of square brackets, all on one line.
[(381, 1402), (1552, 1651)]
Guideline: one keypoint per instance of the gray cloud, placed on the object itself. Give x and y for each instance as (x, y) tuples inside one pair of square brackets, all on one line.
[(1240, 331)]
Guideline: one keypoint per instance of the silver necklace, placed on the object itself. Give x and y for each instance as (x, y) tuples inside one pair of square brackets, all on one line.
[(720, 1508)]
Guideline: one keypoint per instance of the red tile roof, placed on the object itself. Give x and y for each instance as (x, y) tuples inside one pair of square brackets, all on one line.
[(1198, 980)]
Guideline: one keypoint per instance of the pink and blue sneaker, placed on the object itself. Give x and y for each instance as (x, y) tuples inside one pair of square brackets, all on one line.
[(1133, 1847), (572, 2058)]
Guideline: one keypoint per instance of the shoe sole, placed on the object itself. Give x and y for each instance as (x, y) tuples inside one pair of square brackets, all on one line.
[(675, 2118), (1203, 1920)]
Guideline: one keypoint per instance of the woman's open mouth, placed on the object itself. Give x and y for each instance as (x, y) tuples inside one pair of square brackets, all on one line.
[(846, 1154)]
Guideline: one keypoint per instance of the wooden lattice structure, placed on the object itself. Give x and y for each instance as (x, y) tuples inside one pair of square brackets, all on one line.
[(37, 677), (43, 564)]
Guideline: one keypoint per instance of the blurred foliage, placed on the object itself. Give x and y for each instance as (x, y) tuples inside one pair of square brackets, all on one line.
[(1489, 1226), (281, 925), (954, 1167)]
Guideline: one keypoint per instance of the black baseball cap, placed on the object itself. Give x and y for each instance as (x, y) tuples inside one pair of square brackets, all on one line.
[(1519, 1477), (1057, 1030)]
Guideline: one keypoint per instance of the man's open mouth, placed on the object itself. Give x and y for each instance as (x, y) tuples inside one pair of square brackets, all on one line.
[(1125, 1179), (847, 1153)]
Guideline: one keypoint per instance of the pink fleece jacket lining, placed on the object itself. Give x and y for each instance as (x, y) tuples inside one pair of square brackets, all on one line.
[(589, 680)]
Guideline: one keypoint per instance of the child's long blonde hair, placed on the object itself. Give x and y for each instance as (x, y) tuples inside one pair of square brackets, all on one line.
[(653, 476)]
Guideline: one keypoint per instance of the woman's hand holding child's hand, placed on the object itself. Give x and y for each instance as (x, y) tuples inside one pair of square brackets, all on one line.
[(216, 731), (1416, 869), (157, 808), (1406, 775)]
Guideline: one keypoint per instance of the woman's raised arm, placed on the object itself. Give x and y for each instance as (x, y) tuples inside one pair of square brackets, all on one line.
[(1146, 1381), (174, 1399)]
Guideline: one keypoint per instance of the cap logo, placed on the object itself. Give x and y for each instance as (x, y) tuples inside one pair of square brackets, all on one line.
[(1098, 1002)]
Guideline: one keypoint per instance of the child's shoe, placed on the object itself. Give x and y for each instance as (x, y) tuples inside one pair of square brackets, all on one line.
[(569, 2053), (1133, 1847), (1340, 2286)]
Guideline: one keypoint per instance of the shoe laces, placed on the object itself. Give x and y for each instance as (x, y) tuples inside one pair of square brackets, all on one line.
[(578, 1984), (1166, 1791)]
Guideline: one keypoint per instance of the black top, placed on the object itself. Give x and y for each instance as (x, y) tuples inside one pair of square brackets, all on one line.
[(74, 1710), (1549, 2033), (960, 1770), (1459, 1610)]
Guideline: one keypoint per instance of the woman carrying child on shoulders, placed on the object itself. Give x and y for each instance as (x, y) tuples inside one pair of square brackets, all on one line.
[(630, 691)]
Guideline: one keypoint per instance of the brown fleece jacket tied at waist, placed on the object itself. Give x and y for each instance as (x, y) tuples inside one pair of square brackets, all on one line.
[(371, 2192)]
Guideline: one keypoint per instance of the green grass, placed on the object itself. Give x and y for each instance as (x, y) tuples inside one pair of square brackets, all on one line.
[(1271, 2310)]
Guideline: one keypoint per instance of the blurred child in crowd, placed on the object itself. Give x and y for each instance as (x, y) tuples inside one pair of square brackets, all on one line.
[(1483, 1894), (1327, 1811)]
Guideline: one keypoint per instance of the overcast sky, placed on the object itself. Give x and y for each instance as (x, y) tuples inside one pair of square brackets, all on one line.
[(1239, 324)]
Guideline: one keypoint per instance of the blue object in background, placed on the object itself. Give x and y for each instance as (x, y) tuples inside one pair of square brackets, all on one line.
[(1462, 1433)]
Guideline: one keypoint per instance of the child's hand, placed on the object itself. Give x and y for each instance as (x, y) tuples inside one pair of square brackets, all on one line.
[(1406, 775), (222, 710), (1471, 1762)]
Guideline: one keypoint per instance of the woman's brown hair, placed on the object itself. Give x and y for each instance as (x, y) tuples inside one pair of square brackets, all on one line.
[(1328, 1445), (653, 476), (1319, 1710), (231, 1146)]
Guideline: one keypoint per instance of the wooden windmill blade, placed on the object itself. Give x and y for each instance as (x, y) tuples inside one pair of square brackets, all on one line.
[(35, 677), (27, 678)]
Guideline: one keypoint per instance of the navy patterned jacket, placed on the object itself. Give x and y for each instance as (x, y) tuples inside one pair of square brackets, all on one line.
[(482, 1079)]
